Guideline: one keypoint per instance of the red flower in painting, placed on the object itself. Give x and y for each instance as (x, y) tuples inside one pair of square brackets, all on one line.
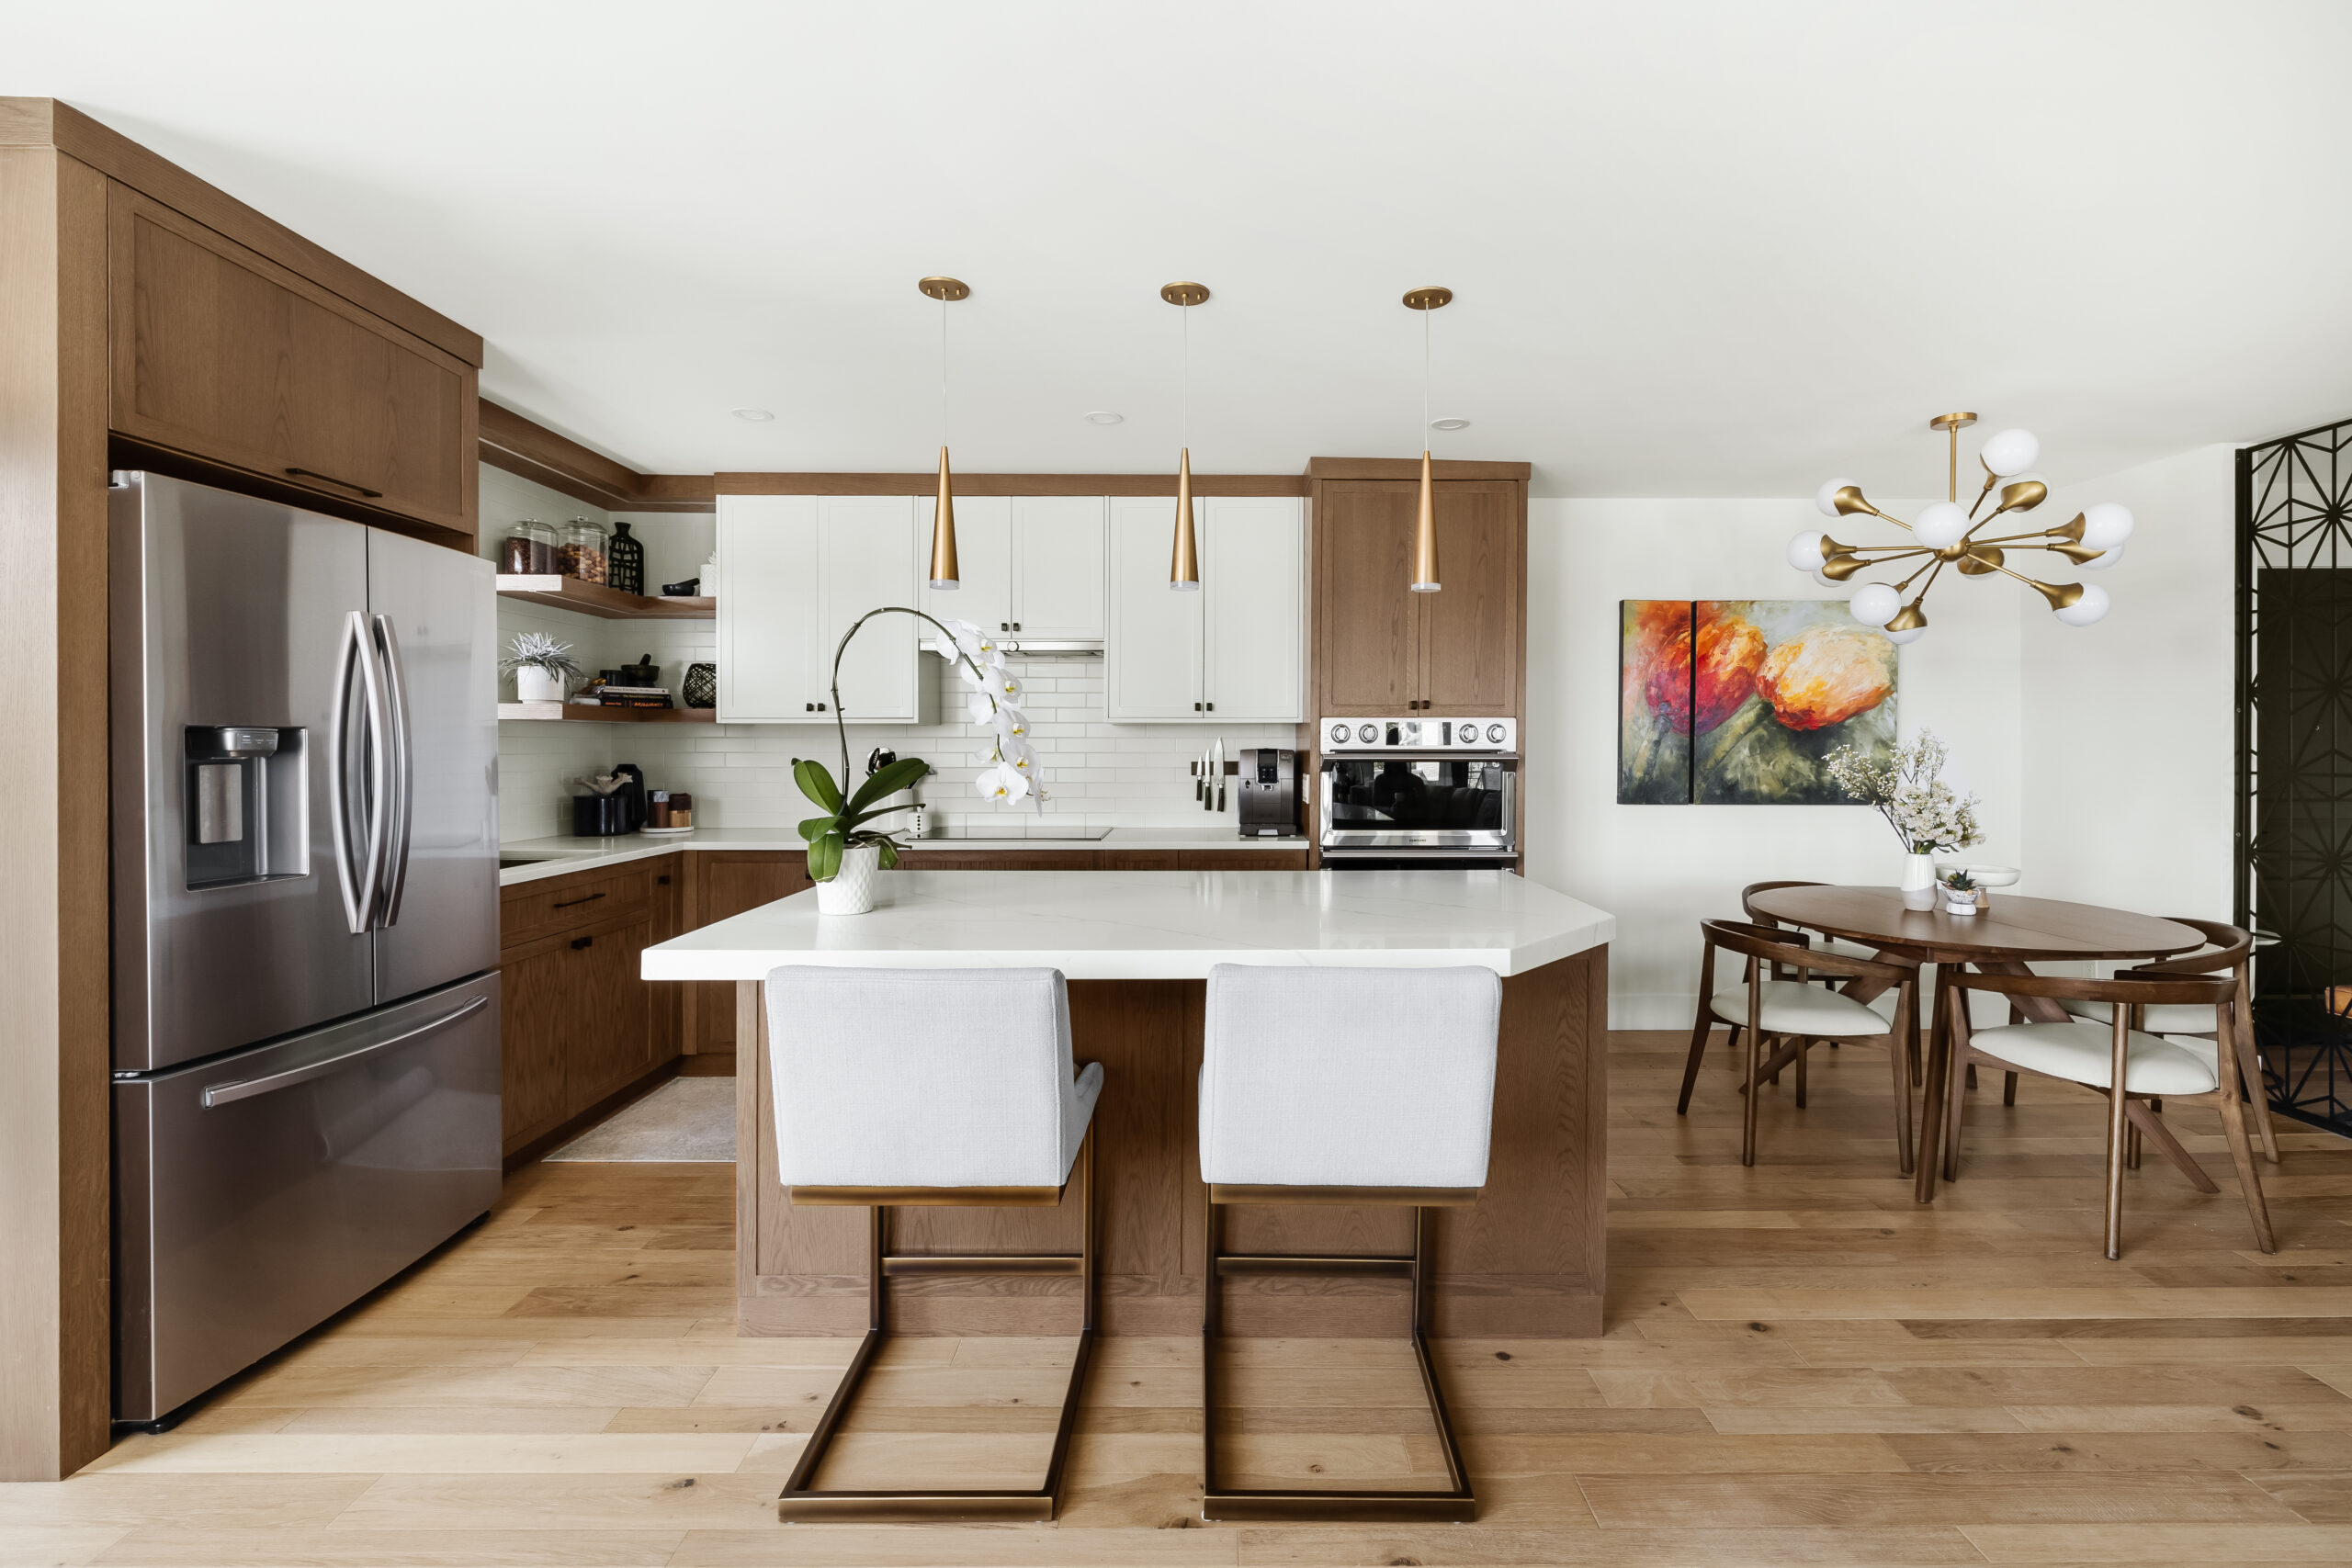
[(1731, 650), (1657, 661)]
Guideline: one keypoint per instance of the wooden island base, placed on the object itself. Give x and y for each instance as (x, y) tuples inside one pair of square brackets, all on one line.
[(1526, 1261)]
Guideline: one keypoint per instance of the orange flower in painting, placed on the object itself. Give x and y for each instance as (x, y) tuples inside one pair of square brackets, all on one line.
[(1731, 650), (1826, 674)]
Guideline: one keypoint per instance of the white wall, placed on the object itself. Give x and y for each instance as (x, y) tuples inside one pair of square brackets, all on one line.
[(2129, 739), (1661, 868)]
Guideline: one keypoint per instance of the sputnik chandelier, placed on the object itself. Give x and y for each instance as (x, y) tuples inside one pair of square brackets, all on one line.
[(1943, 534)]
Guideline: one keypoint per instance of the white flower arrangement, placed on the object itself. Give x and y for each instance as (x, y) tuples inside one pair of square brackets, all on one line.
[(1010, 769), (1906, 787)]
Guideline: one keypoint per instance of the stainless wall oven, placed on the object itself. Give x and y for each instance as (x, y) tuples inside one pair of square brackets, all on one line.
[(1431, 792)]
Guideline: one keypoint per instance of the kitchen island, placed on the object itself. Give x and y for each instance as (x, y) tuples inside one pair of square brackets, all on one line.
[(1525, 1261)]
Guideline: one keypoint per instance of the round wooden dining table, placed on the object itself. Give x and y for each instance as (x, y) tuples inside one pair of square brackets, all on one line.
[(2003, 939)]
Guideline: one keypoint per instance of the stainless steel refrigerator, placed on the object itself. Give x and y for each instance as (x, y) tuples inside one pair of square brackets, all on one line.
[(305, 870)]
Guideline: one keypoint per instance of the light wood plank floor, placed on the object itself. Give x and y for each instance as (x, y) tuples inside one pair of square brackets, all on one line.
[(1799, 1367)]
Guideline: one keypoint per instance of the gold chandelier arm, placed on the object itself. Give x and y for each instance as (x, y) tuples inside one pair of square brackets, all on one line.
[(1930, 567), (2016, 538), (1990, 478), (1896, 552)]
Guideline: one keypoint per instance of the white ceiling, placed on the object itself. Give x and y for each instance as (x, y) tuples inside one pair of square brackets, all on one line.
[(1698, 249)]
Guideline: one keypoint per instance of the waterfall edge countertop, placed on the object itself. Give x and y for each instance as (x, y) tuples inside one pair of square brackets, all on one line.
[(561, 856), (1153, 925)]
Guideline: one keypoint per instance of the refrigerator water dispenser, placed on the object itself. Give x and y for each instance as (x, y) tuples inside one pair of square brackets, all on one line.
[(248, 804)]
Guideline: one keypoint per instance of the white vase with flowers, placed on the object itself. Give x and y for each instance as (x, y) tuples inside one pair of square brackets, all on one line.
[(1906, 786)]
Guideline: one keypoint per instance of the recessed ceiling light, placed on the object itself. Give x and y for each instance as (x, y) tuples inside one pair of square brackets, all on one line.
[(757, 416), (1448, 422), (1104, 416)]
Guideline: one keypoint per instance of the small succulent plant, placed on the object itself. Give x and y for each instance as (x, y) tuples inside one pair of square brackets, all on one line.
[(536, 651)]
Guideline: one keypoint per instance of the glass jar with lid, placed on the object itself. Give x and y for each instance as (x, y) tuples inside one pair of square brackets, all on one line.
[(584, 550), (529, 550)]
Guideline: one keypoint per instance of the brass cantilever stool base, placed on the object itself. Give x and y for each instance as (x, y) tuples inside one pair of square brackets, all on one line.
[(802, 1502), (1456, 1504)]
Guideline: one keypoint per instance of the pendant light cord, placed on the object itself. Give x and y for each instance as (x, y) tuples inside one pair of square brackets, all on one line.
[(1184, 385), (1425, 380), (942, 375)]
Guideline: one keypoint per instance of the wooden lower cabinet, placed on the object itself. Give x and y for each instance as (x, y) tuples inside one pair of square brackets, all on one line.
[(577, 1023), (724, 882)]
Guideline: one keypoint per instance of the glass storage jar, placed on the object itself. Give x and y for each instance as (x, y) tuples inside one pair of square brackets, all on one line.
[(529, 550), (584, 550)]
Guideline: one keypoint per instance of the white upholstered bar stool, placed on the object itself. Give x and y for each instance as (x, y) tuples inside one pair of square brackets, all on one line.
[(932, 1087), (1349, 1086)]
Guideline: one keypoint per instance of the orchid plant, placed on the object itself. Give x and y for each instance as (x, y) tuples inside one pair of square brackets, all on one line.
[(992, 698)]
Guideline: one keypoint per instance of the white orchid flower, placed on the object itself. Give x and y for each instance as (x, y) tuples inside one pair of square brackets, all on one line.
[(1008, 687), (1010, 722), (980, 708), (975, 676), (1019, 756), (1003, 783)]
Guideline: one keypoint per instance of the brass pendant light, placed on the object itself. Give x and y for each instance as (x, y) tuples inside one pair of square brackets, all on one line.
[(1184, 560), (1425, 578), (943, 570)]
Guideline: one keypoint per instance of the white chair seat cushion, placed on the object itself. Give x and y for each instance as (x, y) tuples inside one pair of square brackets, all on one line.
[(1348, 1078), (2159, 1018), (1842, 949), (2081, 1051), (1790, 1007), (926, 1078)]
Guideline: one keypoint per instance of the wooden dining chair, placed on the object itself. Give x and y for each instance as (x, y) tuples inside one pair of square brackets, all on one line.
[(2202, 1023), (2117, 1061), (1828, 944), (1793, 1013)]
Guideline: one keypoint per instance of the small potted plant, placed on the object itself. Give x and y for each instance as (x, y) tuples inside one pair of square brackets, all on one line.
[(1962, 896), (543, 667)]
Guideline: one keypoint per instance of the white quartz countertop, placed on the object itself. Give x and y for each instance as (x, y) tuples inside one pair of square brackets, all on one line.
[(1153, 925), (560, 857)]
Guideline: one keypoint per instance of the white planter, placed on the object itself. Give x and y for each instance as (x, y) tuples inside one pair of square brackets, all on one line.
[(1960, 903), (851, 892), (1918, 881), (533, 685)]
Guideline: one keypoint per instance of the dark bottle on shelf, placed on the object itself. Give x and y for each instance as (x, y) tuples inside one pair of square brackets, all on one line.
[(625, 562)]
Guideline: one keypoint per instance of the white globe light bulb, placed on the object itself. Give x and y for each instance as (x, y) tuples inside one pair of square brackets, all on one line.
[(1913, 635), (1875, 603), (2089, 609), (1805, 551), (2010, 452), (1940, 526), (2106, 525), (1824, 579), (1826, 497), (2100, 563)]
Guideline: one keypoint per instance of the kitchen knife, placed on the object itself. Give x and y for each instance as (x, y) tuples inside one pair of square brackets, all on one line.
[(1218, 772)]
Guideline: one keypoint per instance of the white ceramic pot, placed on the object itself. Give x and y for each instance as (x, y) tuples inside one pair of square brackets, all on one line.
[(1960, 903), (851, 892), (1918, 881), (533, 685)]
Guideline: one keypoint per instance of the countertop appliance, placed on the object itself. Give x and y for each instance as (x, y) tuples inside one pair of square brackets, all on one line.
[(1269, 794), (305, 888), (1436, 793)]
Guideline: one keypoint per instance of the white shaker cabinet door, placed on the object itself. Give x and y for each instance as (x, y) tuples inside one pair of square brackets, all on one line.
[(865, 559), (1252, 550), (983, 562), (1152, 645), (1058, 566), (767, 609)]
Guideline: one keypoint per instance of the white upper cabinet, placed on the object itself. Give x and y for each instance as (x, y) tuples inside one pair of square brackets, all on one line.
[(1231, 650), (1252, 550), (767, 608), (794, 573), (1057, 567), (983, 562)]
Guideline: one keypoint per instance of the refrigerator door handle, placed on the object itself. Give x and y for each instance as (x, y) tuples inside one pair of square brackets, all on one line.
[(236, 1090), (357, 880), (402, 766)]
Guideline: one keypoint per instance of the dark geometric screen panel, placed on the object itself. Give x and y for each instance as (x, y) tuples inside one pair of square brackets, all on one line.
[(2295, 763)]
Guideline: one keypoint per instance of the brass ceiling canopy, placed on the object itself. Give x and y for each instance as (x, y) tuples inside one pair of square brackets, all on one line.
[(1187, 294), (944, 289), (1431, 298), (1944, 534)]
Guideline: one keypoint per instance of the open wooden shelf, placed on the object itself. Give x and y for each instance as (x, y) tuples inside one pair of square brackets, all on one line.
[(584, 714), (606, 603)]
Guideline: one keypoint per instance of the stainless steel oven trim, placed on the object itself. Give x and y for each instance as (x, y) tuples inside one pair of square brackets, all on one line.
[(1500, 841)]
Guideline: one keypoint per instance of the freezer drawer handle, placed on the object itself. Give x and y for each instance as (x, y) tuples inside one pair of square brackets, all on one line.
[(330, 478), (568, 903), (246, 1089), (580, 942)]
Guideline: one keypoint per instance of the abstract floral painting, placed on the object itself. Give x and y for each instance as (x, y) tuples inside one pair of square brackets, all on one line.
[(1739, 702)]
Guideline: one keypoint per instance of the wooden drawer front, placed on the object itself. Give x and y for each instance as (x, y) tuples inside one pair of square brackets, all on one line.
[(223, 355), (535, 909), (1243, 860)]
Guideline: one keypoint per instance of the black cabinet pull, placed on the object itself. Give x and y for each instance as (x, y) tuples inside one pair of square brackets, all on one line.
[(1196, 707), (820, 708), (330, 478), (807, 707), (1211, 707), (1016, 626), (1004, 626), (568, 903), (662, 880), (580, 942)]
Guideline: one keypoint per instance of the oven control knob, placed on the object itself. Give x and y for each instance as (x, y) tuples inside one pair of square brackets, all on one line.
[(1494, 733), (1339, 735), (1468, 735), (1367, 734)]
